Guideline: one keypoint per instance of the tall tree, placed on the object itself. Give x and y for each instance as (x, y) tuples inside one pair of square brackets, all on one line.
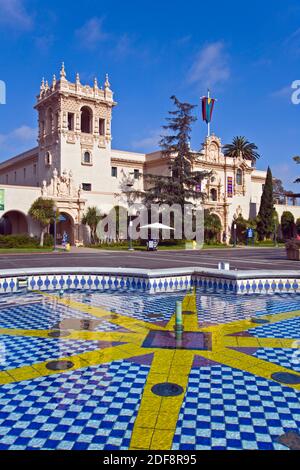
[(266, 215), (241, 146), (278, 187), (278, 191), (183, 185), (91, 218), (42, 210), (297, 160)]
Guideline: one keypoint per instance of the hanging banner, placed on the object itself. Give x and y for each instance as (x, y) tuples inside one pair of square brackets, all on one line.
[(229, 186), (207, 108), (1, 199)]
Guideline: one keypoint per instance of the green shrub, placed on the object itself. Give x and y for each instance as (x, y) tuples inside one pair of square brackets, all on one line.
[(18, 241)]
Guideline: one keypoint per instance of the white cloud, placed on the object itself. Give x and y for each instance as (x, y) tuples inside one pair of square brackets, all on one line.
[(44, 43), (283, 92), (91, 33), (184, 40), (24, 133), (18, 140), (15, 15), (292, 43), (287, 172), (210, 66), (149, 143), (124, 46)]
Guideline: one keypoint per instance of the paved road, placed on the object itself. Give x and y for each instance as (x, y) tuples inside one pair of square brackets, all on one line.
[(239, 258)]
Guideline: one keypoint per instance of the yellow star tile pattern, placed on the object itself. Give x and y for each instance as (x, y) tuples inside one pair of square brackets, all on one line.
[(156, 421)]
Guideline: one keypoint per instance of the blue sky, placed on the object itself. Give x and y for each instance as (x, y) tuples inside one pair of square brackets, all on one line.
[(247, 53)]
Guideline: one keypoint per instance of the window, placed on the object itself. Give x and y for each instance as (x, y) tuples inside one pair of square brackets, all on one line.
[(136, 174), (86, 186), (34, 169), (71, 121), (87, 157), (48, 159), (15, 176), (114, 171), (86, 120), (101, 126), (49, 121), (239, 177), (229, 186), (213, 194), (24, 173)]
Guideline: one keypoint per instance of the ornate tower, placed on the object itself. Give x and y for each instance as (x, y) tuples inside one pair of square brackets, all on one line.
[(75, 131)]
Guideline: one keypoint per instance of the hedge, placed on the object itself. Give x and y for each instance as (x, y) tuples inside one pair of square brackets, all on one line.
[(24, 241)]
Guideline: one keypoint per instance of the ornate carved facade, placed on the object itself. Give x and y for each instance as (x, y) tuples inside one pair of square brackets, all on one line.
[(75, 165)]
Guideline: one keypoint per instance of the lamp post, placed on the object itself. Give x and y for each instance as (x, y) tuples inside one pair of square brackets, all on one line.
[(275, 233), (55, 215), (129, 185), (234, 234)]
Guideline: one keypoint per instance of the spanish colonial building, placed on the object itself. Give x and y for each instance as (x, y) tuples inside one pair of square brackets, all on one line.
[(75, 165)]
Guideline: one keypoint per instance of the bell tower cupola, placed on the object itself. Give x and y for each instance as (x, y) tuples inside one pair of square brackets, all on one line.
[(74, 121)]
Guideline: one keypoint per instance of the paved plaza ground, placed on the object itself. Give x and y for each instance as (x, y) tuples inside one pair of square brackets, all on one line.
[(239, 258)]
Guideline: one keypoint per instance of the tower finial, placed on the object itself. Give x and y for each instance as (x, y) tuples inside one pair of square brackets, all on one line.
[(95, 83), (77, 79), (42, 87), (54, 82), (106, 84), (62, 70)]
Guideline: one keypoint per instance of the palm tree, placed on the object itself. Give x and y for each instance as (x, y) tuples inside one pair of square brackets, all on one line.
[(92, 218), (42, 210), (241, 146)]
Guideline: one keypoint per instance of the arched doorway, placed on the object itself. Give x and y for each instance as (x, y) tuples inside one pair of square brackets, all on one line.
[(13, 223), (212, 227), (65, 224)]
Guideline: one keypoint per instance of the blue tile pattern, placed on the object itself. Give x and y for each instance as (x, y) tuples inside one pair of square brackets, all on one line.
[(42, 315), (289, 358), (282, 329), (18, 351), (161, 284), (90, 409), (140, 305), (225, 408), (112, 282), (218, 308)]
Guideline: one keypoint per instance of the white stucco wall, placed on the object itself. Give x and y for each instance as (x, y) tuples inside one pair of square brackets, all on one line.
[(20, 198)]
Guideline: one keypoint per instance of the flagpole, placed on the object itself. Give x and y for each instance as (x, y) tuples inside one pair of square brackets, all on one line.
[(208, 124)]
